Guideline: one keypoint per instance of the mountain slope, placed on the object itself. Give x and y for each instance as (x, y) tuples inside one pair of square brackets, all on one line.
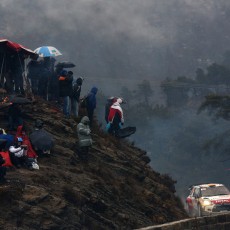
[(116, 189)]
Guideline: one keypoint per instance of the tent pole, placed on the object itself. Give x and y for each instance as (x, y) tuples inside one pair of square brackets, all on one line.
[(2, 67)]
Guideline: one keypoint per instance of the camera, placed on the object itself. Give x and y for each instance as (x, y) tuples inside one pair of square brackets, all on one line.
[(24, 147)]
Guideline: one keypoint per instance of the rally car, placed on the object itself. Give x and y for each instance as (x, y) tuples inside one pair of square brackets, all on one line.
[(205, 199)]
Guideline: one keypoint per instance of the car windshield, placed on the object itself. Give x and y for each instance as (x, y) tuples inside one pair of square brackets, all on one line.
[(214, 191)]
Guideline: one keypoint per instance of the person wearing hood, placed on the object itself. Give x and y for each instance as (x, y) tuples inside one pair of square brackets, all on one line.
[(84, 138), (115, 118), (108, 104), (91, 103)]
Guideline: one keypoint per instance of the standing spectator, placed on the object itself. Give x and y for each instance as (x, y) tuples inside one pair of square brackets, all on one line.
[(15, 116), (9, 84), (75, 97), (84, 138), (17, 68), (34, 73), (108, 104), (115, 118), (65, 90), (91, 103)]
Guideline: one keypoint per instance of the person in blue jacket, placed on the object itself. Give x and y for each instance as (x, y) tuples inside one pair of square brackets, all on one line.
[(91, 103), (9, 138)]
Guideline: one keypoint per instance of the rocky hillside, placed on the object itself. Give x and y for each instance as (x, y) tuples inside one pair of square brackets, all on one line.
[(116, 189)]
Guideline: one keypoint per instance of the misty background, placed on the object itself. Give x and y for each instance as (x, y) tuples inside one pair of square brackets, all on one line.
[(123, 42)]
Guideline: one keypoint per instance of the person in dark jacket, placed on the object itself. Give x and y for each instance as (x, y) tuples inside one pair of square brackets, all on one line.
[(34, 73), (91, 103), (14, 116), (75, 97), (2, 170), (65, 90), (84, 138)]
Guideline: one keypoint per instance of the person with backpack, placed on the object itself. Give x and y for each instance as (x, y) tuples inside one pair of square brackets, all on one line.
[(91, 103), (75, 97), (84, 138), (115, 118)]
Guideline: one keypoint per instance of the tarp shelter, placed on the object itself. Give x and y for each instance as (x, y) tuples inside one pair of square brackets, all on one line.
[(11, 47), (12, 57)]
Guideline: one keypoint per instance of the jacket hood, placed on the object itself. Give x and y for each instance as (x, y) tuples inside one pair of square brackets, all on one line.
[(85, 120), (94, 90)]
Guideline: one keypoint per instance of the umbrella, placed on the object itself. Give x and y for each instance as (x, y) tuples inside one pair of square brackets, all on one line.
[(47, 51), (41, 140), (126, 132), (65, 64)]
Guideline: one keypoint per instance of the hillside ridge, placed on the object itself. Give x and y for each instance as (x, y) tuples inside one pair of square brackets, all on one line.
[(116, 189)]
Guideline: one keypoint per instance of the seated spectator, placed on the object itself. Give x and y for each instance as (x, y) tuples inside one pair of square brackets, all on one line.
[(21, 133), (9, 138), (18, 153)]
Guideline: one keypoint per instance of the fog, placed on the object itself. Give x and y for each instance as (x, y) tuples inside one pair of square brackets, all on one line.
[(119, 43)]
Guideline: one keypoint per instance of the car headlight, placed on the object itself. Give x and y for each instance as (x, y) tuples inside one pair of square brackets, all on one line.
[(207, 202)]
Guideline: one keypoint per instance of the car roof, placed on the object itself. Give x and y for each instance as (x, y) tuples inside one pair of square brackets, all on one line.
[(208, 185)]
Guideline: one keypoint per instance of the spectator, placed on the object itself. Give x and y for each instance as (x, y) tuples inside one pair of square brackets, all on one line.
[(91, 104), (18, 153), (115, 118), (75, 97), (65, 90), (85, 140), (34, 73), (9, 138), (108, 104), (14, 116)]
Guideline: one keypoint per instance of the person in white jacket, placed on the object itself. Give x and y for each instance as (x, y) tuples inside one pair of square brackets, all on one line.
[(18, 154)]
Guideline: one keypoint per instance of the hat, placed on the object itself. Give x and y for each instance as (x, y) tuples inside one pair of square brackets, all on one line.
[(64, 72), (79, 80), (119, 100), (19, 139)]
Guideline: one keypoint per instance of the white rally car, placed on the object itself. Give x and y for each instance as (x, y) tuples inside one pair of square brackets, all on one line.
[(205, 199)]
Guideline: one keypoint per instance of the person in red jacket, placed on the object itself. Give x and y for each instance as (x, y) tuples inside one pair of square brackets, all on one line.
[(115, 118)]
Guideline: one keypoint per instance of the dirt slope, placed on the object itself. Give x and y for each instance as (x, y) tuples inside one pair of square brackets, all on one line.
[(117, 189)]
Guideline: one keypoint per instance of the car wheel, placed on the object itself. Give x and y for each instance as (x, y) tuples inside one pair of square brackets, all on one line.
[(199, 211)]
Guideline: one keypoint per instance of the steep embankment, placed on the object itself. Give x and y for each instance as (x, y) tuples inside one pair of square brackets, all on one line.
[(117, 189)]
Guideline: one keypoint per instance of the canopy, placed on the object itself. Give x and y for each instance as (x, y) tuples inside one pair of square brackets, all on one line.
[(6, 45)]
